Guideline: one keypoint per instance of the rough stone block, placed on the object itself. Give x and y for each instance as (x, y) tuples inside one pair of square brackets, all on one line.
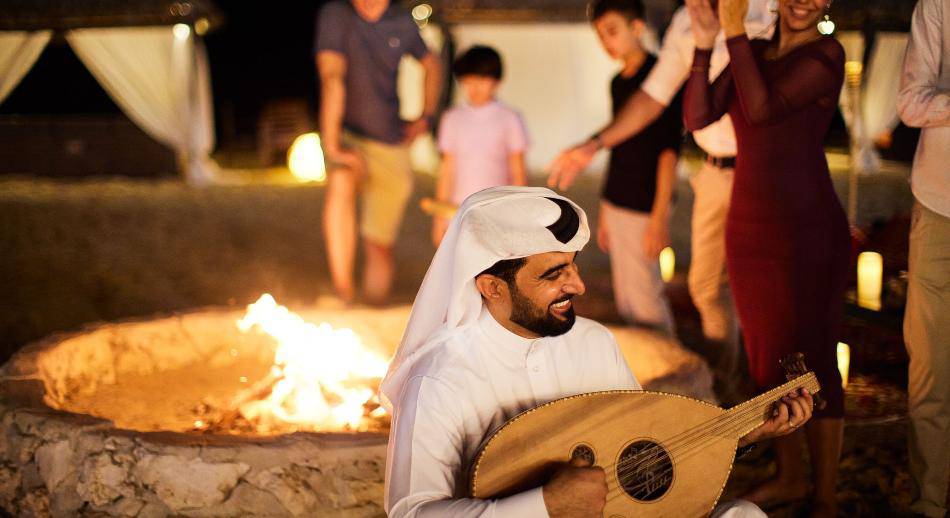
[(54, 461), (101, 481), (187, 484), (299, 498)]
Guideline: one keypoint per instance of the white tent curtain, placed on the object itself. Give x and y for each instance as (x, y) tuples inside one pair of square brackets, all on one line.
[(423, 153), (159, 78), (879, 103), (19, 50), (878, 93)]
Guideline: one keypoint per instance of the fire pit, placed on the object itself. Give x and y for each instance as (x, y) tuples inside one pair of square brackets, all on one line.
[(224, 413)]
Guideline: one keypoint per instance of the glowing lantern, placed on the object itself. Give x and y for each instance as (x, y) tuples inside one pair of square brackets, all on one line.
[(870, 271), (844, 362), (667, 264), (853, 71), (181, 31), (422, 12), (305, 159), (202, 26)]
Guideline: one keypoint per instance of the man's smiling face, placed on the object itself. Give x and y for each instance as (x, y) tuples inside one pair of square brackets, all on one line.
[(541, 297)]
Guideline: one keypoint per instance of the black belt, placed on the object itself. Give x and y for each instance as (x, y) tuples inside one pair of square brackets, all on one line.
[(722, 162)]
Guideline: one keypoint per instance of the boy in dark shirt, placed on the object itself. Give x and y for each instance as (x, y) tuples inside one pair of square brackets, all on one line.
[(635, 207)]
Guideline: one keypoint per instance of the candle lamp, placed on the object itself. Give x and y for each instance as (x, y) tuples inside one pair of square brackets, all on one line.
[(305, 159), (870, 273), (844, 362), (853, 71), (667, 264)]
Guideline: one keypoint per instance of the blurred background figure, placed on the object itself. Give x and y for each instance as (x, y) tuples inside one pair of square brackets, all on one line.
[(483, 142), (635, 201), (924, 102), (359, 45)]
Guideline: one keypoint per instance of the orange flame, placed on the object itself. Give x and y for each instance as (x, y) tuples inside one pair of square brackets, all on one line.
[(324, 375)]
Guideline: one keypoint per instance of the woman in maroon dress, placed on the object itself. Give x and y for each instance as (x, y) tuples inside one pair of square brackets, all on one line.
[(787, 241)]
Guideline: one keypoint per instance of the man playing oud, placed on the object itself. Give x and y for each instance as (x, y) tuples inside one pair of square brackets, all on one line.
[(493, 333)]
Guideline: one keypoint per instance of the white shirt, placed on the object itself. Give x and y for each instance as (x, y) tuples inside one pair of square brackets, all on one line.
[(676, 58), (924, 102), (461, 391)]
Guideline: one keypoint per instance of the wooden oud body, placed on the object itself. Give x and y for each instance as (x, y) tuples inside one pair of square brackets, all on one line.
[(618, 428)]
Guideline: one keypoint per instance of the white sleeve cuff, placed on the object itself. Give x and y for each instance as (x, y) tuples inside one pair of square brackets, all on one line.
[(527, 504), (659, 89)]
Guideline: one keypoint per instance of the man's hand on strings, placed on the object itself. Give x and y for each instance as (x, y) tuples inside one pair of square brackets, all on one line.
[(788, 415)]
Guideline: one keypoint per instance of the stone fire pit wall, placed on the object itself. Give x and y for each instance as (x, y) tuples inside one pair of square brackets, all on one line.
[(97, 423)]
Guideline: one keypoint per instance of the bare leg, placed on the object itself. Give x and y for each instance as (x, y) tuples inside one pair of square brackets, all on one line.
[(339, 229), (825, 437), (378, 272), (789, 481)]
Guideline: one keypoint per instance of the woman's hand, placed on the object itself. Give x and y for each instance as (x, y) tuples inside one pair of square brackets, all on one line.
[(732, 15), (704, 22)]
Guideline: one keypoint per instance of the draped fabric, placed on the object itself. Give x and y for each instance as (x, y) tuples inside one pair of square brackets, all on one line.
[(19, 50), (423, 154), (878, 103), (160, 80), (853, 43)]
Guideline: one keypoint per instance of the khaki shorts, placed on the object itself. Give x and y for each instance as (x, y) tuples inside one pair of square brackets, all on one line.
[(384, 190)]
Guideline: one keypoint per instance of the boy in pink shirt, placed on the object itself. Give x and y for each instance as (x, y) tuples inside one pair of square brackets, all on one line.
[(483, 141)]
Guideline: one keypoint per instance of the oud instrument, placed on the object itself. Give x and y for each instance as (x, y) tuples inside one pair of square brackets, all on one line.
[(663, 454)]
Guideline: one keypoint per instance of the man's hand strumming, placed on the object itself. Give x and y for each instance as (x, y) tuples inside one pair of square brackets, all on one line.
[(577, 490)]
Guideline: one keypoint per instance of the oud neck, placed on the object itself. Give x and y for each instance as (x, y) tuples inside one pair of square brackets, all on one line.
[(745, 417)]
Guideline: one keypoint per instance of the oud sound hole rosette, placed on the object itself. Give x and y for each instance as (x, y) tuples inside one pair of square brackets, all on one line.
[(585, 452), (645, 471)]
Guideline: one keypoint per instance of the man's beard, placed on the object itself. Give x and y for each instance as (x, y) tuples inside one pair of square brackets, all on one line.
[(539, 320)]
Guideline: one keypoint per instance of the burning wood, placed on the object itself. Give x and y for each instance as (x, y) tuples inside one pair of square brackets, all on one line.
[(323, 379)]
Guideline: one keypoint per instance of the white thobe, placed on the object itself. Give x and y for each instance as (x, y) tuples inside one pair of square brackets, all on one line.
[(481, 377), (460, 392)]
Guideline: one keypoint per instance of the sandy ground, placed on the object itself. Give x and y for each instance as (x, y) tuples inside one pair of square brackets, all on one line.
[(184, 390)]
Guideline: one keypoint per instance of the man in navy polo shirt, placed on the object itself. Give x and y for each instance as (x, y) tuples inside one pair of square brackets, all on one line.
[(359, 45)]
